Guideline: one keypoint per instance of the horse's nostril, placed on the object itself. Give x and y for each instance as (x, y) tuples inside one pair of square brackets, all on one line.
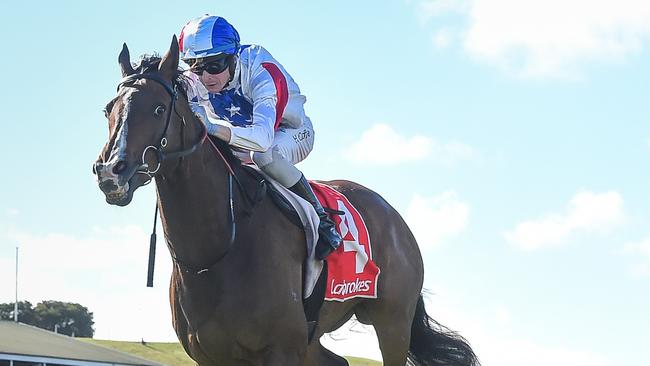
[(95, 169), (119, 167)]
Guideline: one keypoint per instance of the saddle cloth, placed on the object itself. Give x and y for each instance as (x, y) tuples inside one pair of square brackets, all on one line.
[(351, 271)]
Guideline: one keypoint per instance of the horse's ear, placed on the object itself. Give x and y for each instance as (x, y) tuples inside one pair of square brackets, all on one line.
[(169, 64), (125, 62)]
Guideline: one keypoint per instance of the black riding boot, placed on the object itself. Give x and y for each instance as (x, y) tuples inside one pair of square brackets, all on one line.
[(328, 238)]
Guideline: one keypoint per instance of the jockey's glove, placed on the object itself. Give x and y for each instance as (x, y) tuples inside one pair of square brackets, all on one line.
[(210, 123)]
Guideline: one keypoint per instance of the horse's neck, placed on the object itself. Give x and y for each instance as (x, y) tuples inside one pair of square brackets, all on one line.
[(194, 207)]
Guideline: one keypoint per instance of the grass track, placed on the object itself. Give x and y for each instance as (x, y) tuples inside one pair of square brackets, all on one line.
[(172, 354)]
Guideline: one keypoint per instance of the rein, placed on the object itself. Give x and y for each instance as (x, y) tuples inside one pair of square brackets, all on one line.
[(144, 169)]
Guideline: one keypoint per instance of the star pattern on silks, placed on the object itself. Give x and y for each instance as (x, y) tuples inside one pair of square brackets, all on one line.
[(232, 106), (234, 110)]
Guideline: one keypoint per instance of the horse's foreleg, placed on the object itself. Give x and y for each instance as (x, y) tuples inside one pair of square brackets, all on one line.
[(317, 355), (284, 357)]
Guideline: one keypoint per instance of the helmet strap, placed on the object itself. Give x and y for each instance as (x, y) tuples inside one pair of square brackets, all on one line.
[(232, 64)]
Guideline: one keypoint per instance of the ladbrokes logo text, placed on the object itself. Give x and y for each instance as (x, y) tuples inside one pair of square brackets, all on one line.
[(345, 288)]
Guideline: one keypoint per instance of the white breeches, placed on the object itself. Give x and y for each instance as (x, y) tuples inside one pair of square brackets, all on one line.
[(290, 146)]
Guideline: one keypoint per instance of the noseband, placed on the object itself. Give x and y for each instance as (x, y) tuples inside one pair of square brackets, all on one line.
[(173, 93)]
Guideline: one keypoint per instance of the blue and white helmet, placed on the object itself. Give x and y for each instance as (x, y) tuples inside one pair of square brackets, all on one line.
[(207, 36)]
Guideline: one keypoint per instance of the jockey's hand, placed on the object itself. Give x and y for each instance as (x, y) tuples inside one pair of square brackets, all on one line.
[(215, 126), (200, 112)]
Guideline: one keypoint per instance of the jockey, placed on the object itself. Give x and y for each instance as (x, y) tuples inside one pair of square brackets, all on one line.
[(247, 99)]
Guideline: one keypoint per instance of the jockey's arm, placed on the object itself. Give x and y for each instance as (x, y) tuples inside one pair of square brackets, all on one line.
[(256, 137), (259, 135), (259, 86), (222, 133)]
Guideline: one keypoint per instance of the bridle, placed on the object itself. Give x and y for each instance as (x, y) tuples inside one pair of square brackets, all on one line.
[(162, 156)]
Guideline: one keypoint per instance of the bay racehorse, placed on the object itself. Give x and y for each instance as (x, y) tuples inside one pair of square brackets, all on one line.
[(236, 285)]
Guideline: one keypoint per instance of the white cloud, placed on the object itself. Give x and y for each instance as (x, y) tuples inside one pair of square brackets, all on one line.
[(641, 252), (642, 247), (428, 9), (436, 219), (443, 37), (104, 270), (549, 38), (515, 352), (486, 335), (639, 270), (382, 145), (586, 212), (493, 340)]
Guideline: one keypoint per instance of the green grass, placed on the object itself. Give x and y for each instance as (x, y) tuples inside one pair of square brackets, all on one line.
[(172, 354), (357, 361)]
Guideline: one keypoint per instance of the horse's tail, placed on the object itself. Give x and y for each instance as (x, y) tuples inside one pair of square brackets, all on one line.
[(433, 344)]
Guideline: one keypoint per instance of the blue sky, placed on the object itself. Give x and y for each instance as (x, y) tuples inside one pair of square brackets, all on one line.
[(511, 135)]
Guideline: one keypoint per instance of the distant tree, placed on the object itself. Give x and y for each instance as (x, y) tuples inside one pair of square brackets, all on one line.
[(66, 318), (25, 312)]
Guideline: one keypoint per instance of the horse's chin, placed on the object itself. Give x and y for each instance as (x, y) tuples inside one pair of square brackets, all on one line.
[(121, 196), (124, 195)]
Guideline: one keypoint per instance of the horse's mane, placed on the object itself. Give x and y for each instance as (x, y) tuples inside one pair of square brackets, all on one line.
[(148, 63)]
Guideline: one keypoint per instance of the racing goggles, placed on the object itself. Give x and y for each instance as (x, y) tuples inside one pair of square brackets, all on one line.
[(212, 67)]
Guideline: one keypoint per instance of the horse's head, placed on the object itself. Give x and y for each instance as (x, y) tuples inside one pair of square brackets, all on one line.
[(140, 118)]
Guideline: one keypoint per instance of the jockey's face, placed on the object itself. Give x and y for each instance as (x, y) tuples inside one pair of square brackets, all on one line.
[(213, 71), (215, 82)]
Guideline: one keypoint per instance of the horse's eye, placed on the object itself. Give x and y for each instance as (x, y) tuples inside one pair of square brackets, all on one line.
[(159, 110)]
